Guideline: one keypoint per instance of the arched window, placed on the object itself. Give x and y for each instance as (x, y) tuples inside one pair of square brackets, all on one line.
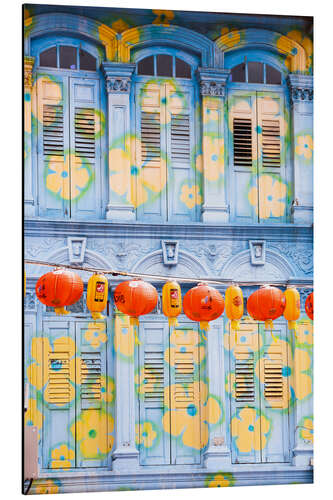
[(70, 127), (165, 97), (258, 127)]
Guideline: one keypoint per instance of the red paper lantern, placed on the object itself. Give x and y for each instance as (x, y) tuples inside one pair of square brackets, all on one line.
[(309, 306), (203, 303), (135, 298), (266, 304), (59, 288)]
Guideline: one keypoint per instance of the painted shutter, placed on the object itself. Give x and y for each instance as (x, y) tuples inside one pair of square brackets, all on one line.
[(245, 400), (154, 379), (271, 157), (243, 147), (151, 153), (85, 178), (275, 394), (52, 144), (92, 423), (58, 394), (180, 130), (185, 395)]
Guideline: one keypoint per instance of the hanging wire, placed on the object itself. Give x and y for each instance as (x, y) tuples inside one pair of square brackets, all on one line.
[(214, 281)]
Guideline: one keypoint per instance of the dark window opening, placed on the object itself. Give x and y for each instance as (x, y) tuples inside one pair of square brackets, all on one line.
[(48, 58), (255, 72), (146, 66), (183, 70), (67, 57), (238, 73), (164, 65), (273, 76), (87, 61)]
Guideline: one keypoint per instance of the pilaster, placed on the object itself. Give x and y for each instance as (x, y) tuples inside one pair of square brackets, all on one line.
[(212, 163), (29, 205), (118, 85), (301, 99), (125, 455), (217, 454)]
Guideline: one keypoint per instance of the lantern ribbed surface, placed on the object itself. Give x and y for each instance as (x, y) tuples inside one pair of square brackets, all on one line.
[(309, 306), (234, 305), (135, 297), (266, 304), (292, 310), (59, 288), (203, 303)]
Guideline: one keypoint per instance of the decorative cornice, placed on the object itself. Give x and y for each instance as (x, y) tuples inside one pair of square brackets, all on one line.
[(301, 88), (118, 77), (28, 65), (213, 81)]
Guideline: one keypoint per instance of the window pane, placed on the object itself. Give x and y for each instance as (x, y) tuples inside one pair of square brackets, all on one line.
[(87, 61), (48, 58), (238, 73), (67, 57), (255, 72), (146, 66), (164, 65), (183, 70), (273, 76)]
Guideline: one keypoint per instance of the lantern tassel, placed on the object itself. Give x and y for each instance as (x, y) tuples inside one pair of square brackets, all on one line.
[(134, 321), (269, 325), (173, 322), (60, 311)]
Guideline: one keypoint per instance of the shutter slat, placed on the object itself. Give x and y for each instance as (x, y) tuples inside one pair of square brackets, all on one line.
[(84, 130), (53, 130), (58, 378), (150, 136), (271, 144), (180, 138), (244, 379), (154, 376), (242, 139), (91, 383)]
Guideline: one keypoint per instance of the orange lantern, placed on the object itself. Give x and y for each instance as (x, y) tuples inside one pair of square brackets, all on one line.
[(234, 305), (292, 310), (309, 306), (97, 295), (172, 301), (266, 304), (135, 298), (59, 288), (203, 303)]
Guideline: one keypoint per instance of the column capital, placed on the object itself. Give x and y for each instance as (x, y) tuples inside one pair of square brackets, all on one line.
[(118, 77), (28, 65), (301, 88), (213, 81)]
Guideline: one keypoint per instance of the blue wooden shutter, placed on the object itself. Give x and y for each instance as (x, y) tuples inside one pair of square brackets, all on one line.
[(245, 400), (185, 394), (154, 373), (85, 179), (93, 423), (52, 145), (180, 136), (274, 388), (151, 153), (58, 394)]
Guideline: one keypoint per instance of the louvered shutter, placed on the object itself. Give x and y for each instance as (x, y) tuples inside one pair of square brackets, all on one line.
[(180, 143), (52, 143), (243, 148), (154, 379), (185, 394), (85, 179), (151, 153), (274, 376), (271, 157), (91, 407), (245, 400), (58, 394)]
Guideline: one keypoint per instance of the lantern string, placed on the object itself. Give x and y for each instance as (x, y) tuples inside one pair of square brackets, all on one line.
[(219, 281)]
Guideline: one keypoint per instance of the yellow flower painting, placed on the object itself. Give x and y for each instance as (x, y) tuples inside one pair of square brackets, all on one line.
[(145, 434), (272, 197), (304, 146), (95, 334), (220, 480), (190, 196), (249, 430), (62, 457), (93, 430)]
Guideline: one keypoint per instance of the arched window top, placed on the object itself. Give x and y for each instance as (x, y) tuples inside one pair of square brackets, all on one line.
[(164, 65), (67, 57), (255, 72)]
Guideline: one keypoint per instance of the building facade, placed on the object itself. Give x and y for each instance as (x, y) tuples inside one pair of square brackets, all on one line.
[(175, 144)]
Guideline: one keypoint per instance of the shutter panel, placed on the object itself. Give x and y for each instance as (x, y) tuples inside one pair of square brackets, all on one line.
[(271, 158), (59, 394), (93, 427), (185, 384), (85, 155), (243, 144), (245, 406), (180, 143), (151, 153), (275, 393), (154, 379), (52, 143)]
